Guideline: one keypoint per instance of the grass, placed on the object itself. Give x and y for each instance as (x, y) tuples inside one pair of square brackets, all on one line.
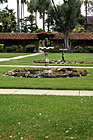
[(9, 55), (32, 117), (52, 56), (75, 83)]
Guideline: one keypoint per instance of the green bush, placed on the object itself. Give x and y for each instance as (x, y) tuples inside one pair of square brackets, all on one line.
[(30, 48), (9, 49), (79, 49), (55, 50), (39, 30), (1, 47), (19, 48), (89, 49), (13, 48)]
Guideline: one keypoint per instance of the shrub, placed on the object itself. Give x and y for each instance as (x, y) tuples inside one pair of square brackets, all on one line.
[(14, 47), (79, 49), (1, 47), (39, 30), (89, 49), (30, 48), (55, 50), (19, 48), (49, 31), (41, 42), (78, 29), (9, 49)]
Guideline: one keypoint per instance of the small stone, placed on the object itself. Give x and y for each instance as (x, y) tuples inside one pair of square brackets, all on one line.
[(83, 72), (64, 75)]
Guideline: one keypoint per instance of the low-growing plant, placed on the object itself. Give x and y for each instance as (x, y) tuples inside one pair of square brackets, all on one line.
[(20, 48), (89, 49), (79, 49), (78, 29), (39, 30), (30, 48), (15, 47), (9, 49), (55, 50), (1, 47)]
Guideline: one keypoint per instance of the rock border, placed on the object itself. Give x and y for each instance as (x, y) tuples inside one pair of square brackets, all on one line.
[(62, 62), (46, 73)]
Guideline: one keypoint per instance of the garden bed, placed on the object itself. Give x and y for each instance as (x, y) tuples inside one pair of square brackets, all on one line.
[(46, 73), (63, 62)]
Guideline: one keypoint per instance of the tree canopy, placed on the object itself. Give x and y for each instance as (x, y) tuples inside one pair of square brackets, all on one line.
[(66, 16), (8, 20)]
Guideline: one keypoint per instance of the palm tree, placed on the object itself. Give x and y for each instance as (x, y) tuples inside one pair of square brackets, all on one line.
[(18, 17), (22, 10), (86, 3), (42, 8), (31, 19), (33, 7)]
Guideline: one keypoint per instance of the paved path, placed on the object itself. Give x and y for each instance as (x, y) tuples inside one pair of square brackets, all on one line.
[(47, 92), (46, 66), (19, 57)]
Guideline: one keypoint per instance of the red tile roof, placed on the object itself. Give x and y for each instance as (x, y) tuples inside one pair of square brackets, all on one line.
[(18, 36), (54, 36), (74, 36), (81, 36)]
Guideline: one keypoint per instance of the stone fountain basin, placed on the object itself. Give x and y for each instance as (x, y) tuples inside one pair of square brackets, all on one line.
[(42, 48), (46, 73)]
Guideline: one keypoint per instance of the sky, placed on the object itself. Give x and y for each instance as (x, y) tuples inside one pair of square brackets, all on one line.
[(12, 4)]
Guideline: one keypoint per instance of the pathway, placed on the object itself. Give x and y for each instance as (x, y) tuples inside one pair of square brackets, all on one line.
[(19, 57), (46, 66), (47, 92)]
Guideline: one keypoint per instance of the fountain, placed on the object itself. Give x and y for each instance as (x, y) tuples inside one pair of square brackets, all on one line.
[(46, 49)]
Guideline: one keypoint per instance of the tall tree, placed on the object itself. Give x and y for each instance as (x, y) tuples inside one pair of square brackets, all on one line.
[(42, 8), (66, 16), (18, 17), (87, 3), (8, 20), (50, 19), (22, 10), (33, 7)]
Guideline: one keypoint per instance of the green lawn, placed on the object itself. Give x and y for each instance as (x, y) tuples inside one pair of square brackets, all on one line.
[(31, 117), (52, 56), (9, 55), (75, 83)]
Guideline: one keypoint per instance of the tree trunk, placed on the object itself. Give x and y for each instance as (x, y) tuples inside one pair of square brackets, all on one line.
[(66, 40), (44, 22), (18, 18), (36, 20), (86, 16), (21, 16), (31, 26), (48, 26), (36, 17)]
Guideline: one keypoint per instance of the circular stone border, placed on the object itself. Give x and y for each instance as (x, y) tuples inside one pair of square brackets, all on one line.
[(62, 62), (46, 73)]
